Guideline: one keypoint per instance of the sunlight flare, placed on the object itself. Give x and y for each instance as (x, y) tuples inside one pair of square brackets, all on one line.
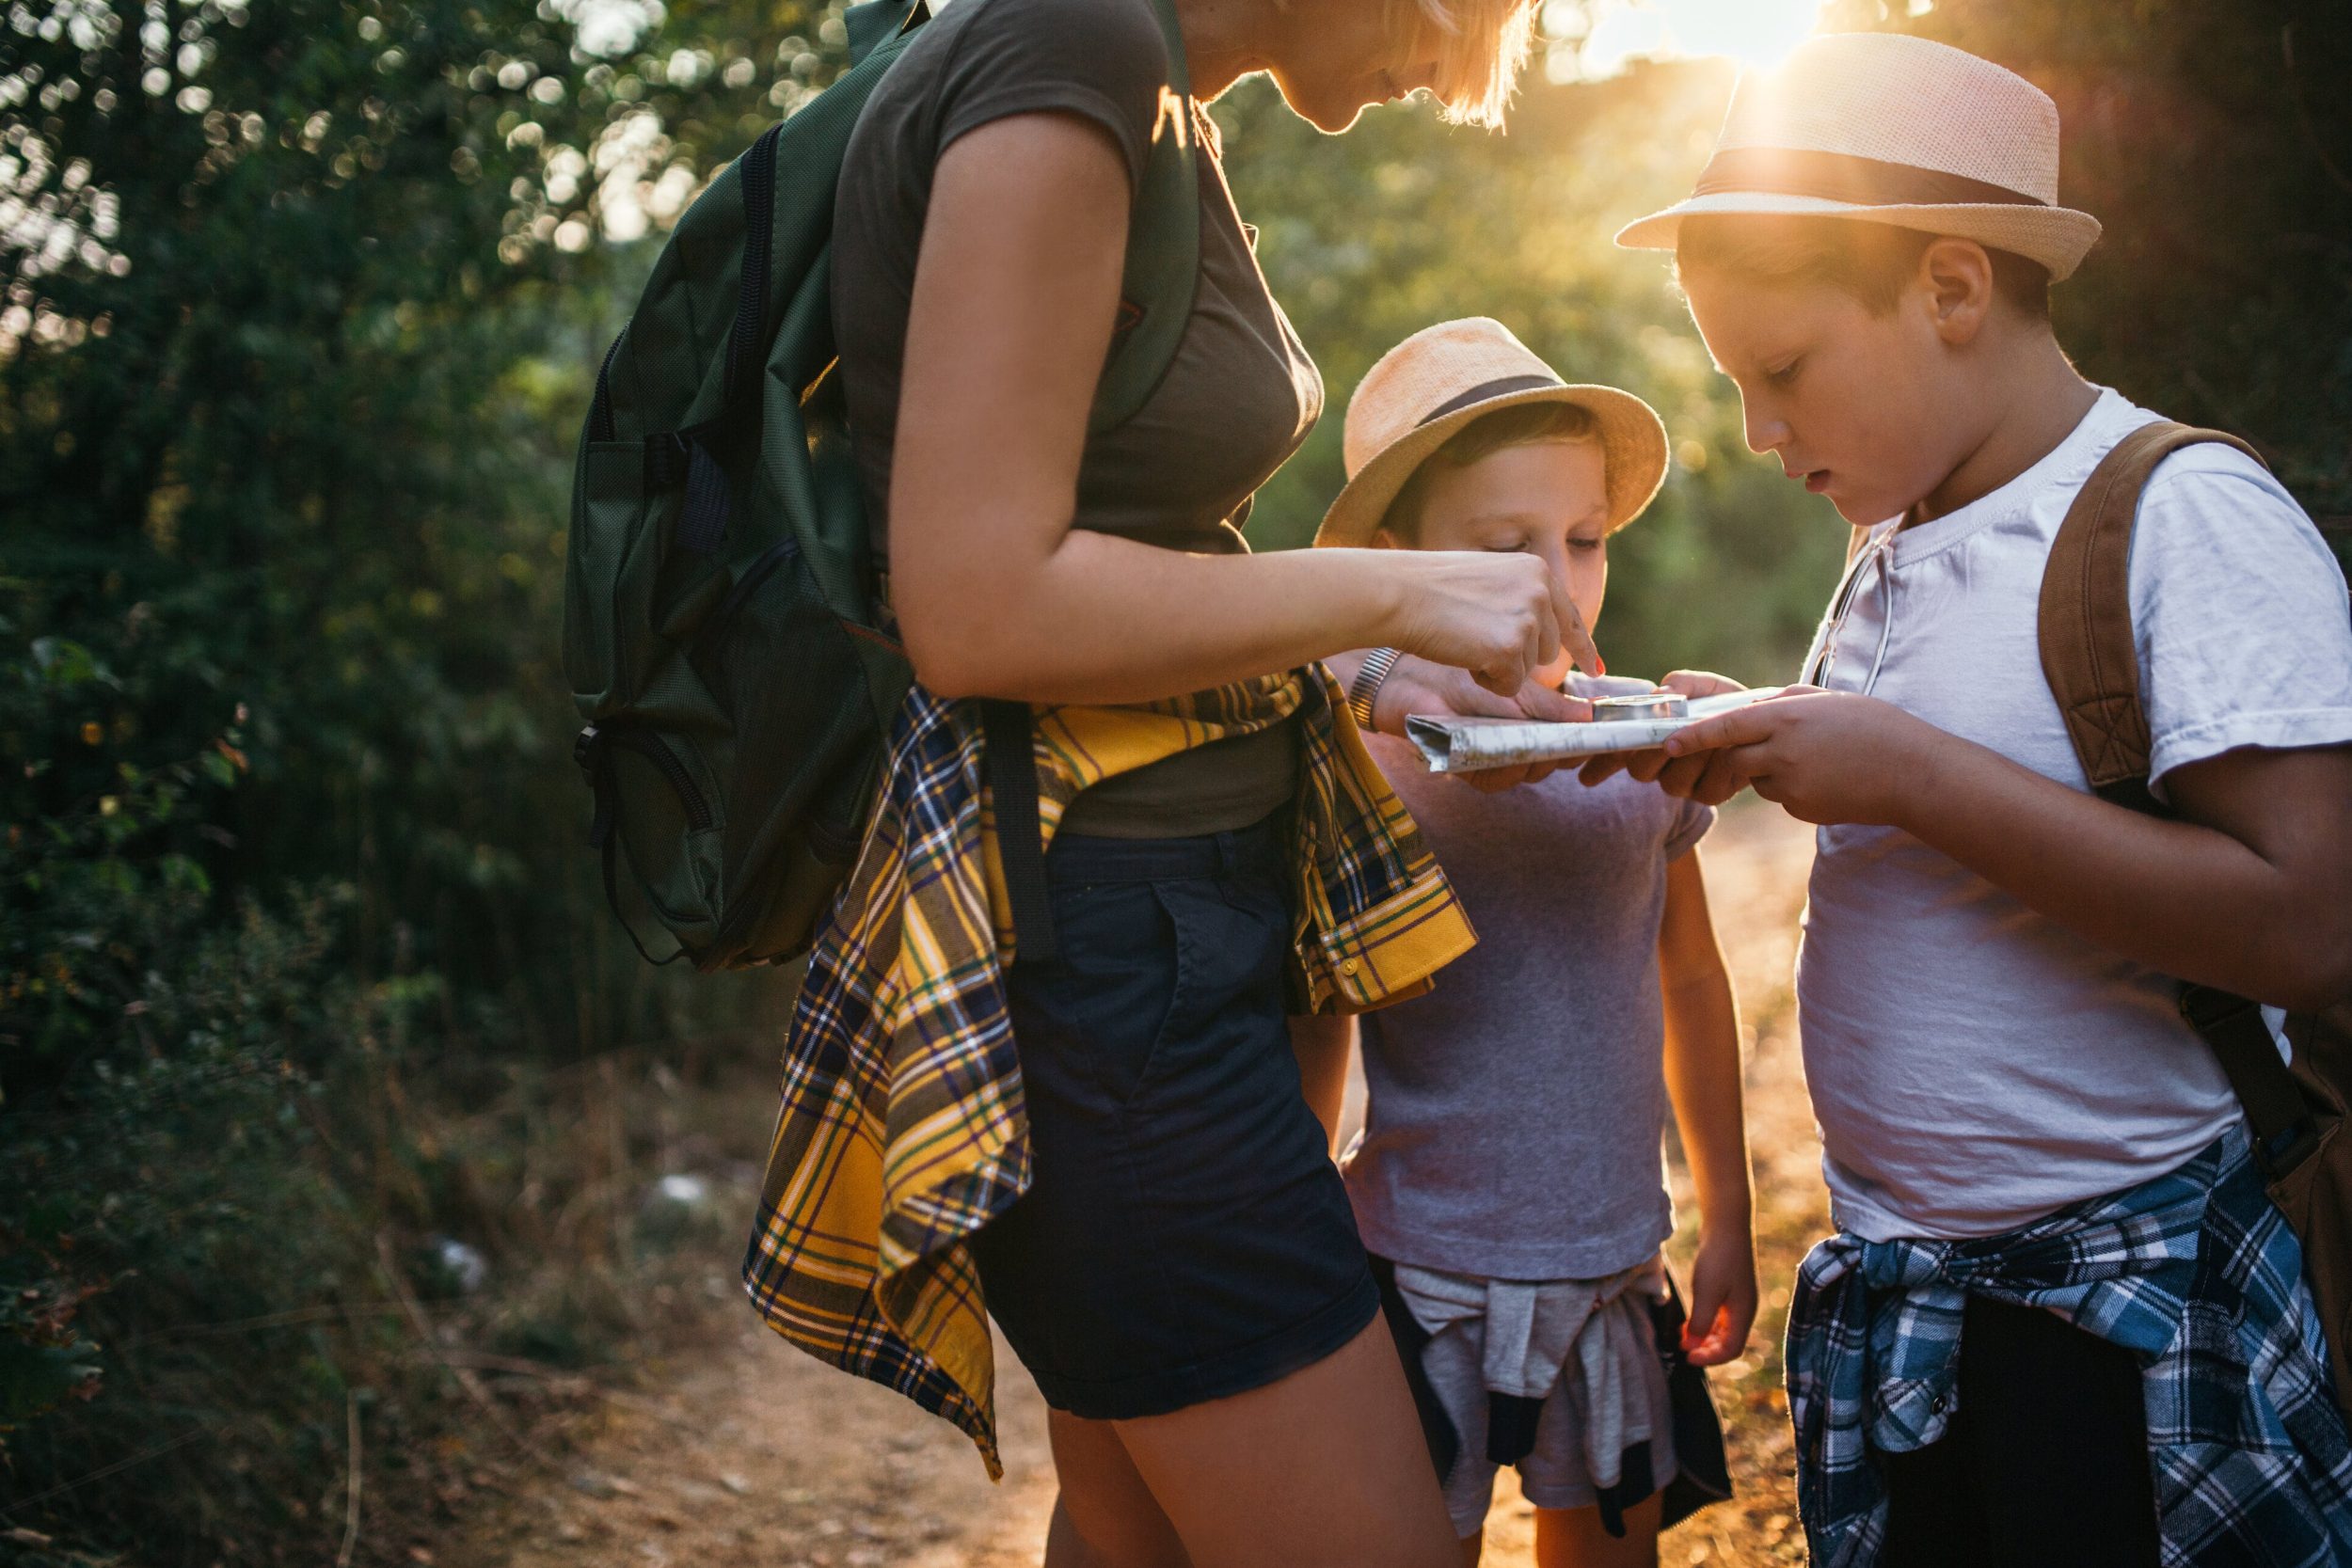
[(1601, 38)]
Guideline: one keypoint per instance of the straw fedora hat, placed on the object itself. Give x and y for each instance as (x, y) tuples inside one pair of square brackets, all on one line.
[(1444, 377), (1891, 129)]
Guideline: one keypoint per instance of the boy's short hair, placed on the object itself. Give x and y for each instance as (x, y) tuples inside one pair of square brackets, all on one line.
[(1528, 424), (1869, 262)]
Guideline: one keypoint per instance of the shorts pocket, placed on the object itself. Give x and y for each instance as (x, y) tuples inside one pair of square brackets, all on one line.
[(1117, 987), (1155, 979), (1228, 973)]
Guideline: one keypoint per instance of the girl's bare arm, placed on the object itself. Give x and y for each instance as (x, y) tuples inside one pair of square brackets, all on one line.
[(1323, 1045), (1703, 1080)]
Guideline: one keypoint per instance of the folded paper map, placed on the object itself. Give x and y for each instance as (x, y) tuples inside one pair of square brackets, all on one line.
[(1457, 745)]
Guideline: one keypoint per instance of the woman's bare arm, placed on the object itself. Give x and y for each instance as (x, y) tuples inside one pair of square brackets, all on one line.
[(1015, 295)]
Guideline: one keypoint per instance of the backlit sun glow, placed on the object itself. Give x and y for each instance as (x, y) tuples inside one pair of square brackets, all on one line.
[(1597, 37)]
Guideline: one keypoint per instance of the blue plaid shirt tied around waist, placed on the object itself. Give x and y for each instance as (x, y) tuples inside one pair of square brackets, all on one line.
[(2195, 1271)]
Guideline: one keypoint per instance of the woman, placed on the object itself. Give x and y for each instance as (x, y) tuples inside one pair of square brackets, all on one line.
[(1183, 1276)]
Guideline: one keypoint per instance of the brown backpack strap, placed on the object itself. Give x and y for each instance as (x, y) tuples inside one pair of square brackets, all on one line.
[(2234, 1027), (2087, 651), (2092, 661)]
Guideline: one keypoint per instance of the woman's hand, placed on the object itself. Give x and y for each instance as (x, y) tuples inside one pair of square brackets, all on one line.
[(1501, 616)]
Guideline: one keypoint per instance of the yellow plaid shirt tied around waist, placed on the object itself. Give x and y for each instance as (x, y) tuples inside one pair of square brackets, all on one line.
[(902, 1130)]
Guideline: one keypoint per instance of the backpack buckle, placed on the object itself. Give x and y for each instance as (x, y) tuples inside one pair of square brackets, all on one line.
[(588, 751)]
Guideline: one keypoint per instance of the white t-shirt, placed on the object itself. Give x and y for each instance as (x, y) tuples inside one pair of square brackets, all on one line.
[(1974, 1065)]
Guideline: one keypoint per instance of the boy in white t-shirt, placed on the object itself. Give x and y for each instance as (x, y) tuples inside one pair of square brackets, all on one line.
[(2061, 1323)]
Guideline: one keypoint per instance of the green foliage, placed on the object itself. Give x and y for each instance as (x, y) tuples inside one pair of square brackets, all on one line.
[(2213, 140), (222, 1143), (90, 883), (179, 1191), (164, 1049), (290, 367), (297, 308)]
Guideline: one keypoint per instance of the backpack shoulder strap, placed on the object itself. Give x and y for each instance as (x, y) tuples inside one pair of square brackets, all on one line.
[(874, 23), (1163, 268), (2087, 651), (2092, 661)]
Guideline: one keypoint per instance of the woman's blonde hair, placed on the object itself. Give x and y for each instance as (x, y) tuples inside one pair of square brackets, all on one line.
[(1481, 46)]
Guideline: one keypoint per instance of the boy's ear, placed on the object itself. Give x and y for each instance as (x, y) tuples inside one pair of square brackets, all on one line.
[(1956, 275), (1383, 540)]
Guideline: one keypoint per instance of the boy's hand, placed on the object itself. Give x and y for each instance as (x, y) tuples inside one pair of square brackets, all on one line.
[(1700, 683), (1416, 685), (1653, 767), (1826, 756), (1723, 1298)]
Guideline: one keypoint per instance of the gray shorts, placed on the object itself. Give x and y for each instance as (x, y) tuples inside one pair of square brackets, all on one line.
[(1587, 1348)]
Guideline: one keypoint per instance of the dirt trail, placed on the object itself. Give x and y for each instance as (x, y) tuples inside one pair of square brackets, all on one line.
[(742, 1450), (738, 1448)]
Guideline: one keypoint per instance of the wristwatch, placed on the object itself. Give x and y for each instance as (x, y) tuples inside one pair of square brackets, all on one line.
[(1366, 686)]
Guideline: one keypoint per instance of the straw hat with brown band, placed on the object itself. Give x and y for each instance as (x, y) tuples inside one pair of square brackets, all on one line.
[(1425, 390), (1884, 128)]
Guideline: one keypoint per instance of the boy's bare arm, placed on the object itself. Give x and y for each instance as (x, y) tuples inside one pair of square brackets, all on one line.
[(1703, 1080), (2250, 889)]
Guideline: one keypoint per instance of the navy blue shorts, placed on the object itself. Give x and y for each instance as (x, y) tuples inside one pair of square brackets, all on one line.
[(1185, 1236)]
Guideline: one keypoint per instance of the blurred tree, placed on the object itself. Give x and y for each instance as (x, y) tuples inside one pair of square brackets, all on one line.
[(2213, 140), (297, 305)]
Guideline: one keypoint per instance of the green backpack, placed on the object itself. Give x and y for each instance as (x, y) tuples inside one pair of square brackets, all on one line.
[(722, 630)]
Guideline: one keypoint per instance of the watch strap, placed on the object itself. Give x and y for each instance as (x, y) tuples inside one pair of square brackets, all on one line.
[(1366, 686)]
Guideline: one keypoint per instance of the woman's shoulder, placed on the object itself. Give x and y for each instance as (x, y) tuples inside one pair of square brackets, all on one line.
[(1109, 33), (982, 61)]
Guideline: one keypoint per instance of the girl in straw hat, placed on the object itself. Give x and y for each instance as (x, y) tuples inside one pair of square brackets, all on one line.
[(2060, 1322), (1508, 1175)]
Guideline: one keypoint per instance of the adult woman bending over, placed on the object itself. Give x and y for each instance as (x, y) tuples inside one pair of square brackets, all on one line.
[(1182, 1276)]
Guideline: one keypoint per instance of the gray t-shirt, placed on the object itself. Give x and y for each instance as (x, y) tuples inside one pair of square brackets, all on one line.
[(1237, 401), (1517, 1109)]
